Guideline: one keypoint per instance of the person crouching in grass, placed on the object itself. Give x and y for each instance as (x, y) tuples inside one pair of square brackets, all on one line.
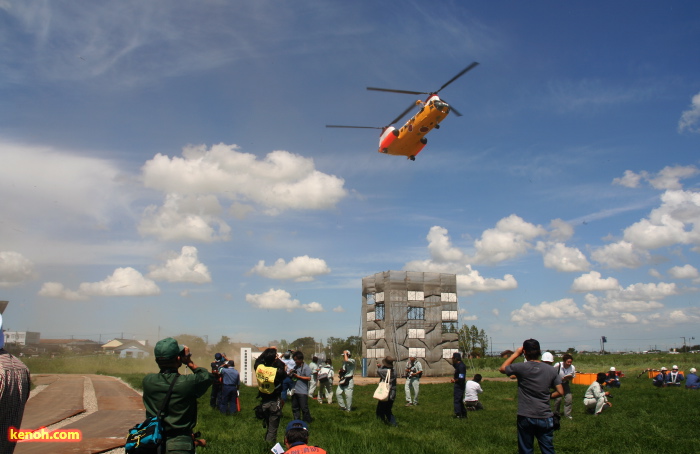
[(595, 399)]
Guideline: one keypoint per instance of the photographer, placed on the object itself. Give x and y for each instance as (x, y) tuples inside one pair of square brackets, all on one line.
[(180, 416), (301, 374), (595, 399), (346, 383)]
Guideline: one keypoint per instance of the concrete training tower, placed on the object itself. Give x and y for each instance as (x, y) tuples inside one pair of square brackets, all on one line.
[(407, 313)]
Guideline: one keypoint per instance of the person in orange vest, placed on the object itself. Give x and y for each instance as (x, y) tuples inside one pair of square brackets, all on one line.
[(296, 439)]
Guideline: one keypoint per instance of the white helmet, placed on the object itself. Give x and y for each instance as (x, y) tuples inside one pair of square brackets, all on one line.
[(547, 357), (612, 369)]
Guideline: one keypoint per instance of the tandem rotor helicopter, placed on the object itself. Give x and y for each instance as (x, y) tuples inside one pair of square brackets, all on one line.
[(409, 139)]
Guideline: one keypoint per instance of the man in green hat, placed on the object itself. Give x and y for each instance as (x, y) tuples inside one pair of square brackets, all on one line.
[(180, 415)]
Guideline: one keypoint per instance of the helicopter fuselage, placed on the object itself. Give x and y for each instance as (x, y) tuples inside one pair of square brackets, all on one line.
[(409, 139)]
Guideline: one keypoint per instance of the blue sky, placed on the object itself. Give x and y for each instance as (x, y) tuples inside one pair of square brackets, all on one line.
[(166, 167)]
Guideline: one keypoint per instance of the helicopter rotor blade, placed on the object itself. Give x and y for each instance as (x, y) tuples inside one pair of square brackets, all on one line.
[(403, 114), (461, 73), (456, 112), (353, 127), (407, 92)]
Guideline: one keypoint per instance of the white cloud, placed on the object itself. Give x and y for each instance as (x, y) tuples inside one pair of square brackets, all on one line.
[(472, 282), (469, 318), (281, 181), (560, 230), (668, 224), (560, 257), (15, 269), (622, 254), (300, 269), (280, 299), (668, 178), (684, 272), (592, 282), (440, 246), (643, 291), (185, 267), (562, 311), (123, 282), (338, 309), (509, 239), (185, 218), (690, 119), (495, 312), (630, 179)]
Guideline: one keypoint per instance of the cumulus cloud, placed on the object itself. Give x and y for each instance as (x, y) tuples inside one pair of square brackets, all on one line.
[(630, 179), (180, 217), (622, 254), (690, 119), (280, 299), (184, 267), (123, 282), (440, 246), (15, 269), (592, 282), (684, 272), (300, 269), (280, 181), (564, 310), (560, 230), (667, 178), (560, 257), (509, 239), (472, 282), (338, 309)]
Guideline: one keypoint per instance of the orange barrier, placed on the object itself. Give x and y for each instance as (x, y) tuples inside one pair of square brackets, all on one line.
[(584, 379)]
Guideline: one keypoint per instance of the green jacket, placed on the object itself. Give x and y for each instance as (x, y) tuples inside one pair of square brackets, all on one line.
[(181, 413)]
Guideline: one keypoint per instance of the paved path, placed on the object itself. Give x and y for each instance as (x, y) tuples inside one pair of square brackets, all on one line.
[(118, 409)]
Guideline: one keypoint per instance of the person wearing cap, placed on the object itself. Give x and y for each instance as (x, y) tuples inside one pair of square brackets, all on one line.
[(384, 408), (414, 371), (219, 361), (296, 439), (595, 399), (230, 382), (181, 412), (14, 392), (660, 379), (535, 380), (346, 383), (471, 394), (460, 380), (692, 381), (567, 372), (612, 380), (325, 382), (270, 374), (674, 378)]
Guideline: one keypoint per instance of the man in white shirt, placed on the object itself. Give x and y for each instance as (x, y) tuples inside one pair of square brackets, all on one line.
[(567, 372), (471, 394)]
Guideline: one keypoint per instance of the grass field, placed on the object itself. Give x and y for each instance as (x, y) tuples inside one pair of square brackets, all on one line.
[(643, 418)]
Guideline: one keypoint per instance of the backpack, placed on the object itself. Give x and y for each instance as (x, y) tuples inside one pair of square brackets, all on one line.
[(266, 378), (323, 375), (148, 437)]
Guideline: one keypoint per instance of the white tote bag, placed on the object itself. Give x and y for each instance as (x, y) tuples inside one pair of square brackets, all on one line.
[(382, 392)]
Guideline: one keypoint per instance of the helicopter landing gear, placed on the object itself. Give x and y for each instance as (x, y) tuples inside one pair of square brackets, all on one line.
[(412, 158), (437, 126), (424, 140), (385, 150)]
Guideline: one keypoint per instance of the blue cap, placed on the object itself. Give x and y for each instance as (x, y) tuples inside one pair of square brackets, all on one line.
[(217, 356), (297, 424)]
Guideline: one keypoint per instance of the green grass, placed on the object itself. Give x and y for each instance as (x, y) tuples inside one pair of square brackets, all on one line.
[(643, 418)]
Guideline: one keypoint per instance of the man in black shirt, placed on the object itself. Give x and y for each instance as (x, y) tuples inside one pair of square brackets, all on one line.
[(459, 380)]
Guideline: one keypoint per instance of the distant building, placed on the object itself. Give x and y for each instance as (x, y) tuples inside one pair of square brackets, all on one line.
[(111, 346), (71, 345), (406, 313), (22, 338), (132, 349)]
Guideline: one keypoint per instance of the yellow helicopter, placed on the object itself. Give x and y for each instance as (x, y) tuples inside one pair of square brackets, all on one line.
[(409, 139)]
